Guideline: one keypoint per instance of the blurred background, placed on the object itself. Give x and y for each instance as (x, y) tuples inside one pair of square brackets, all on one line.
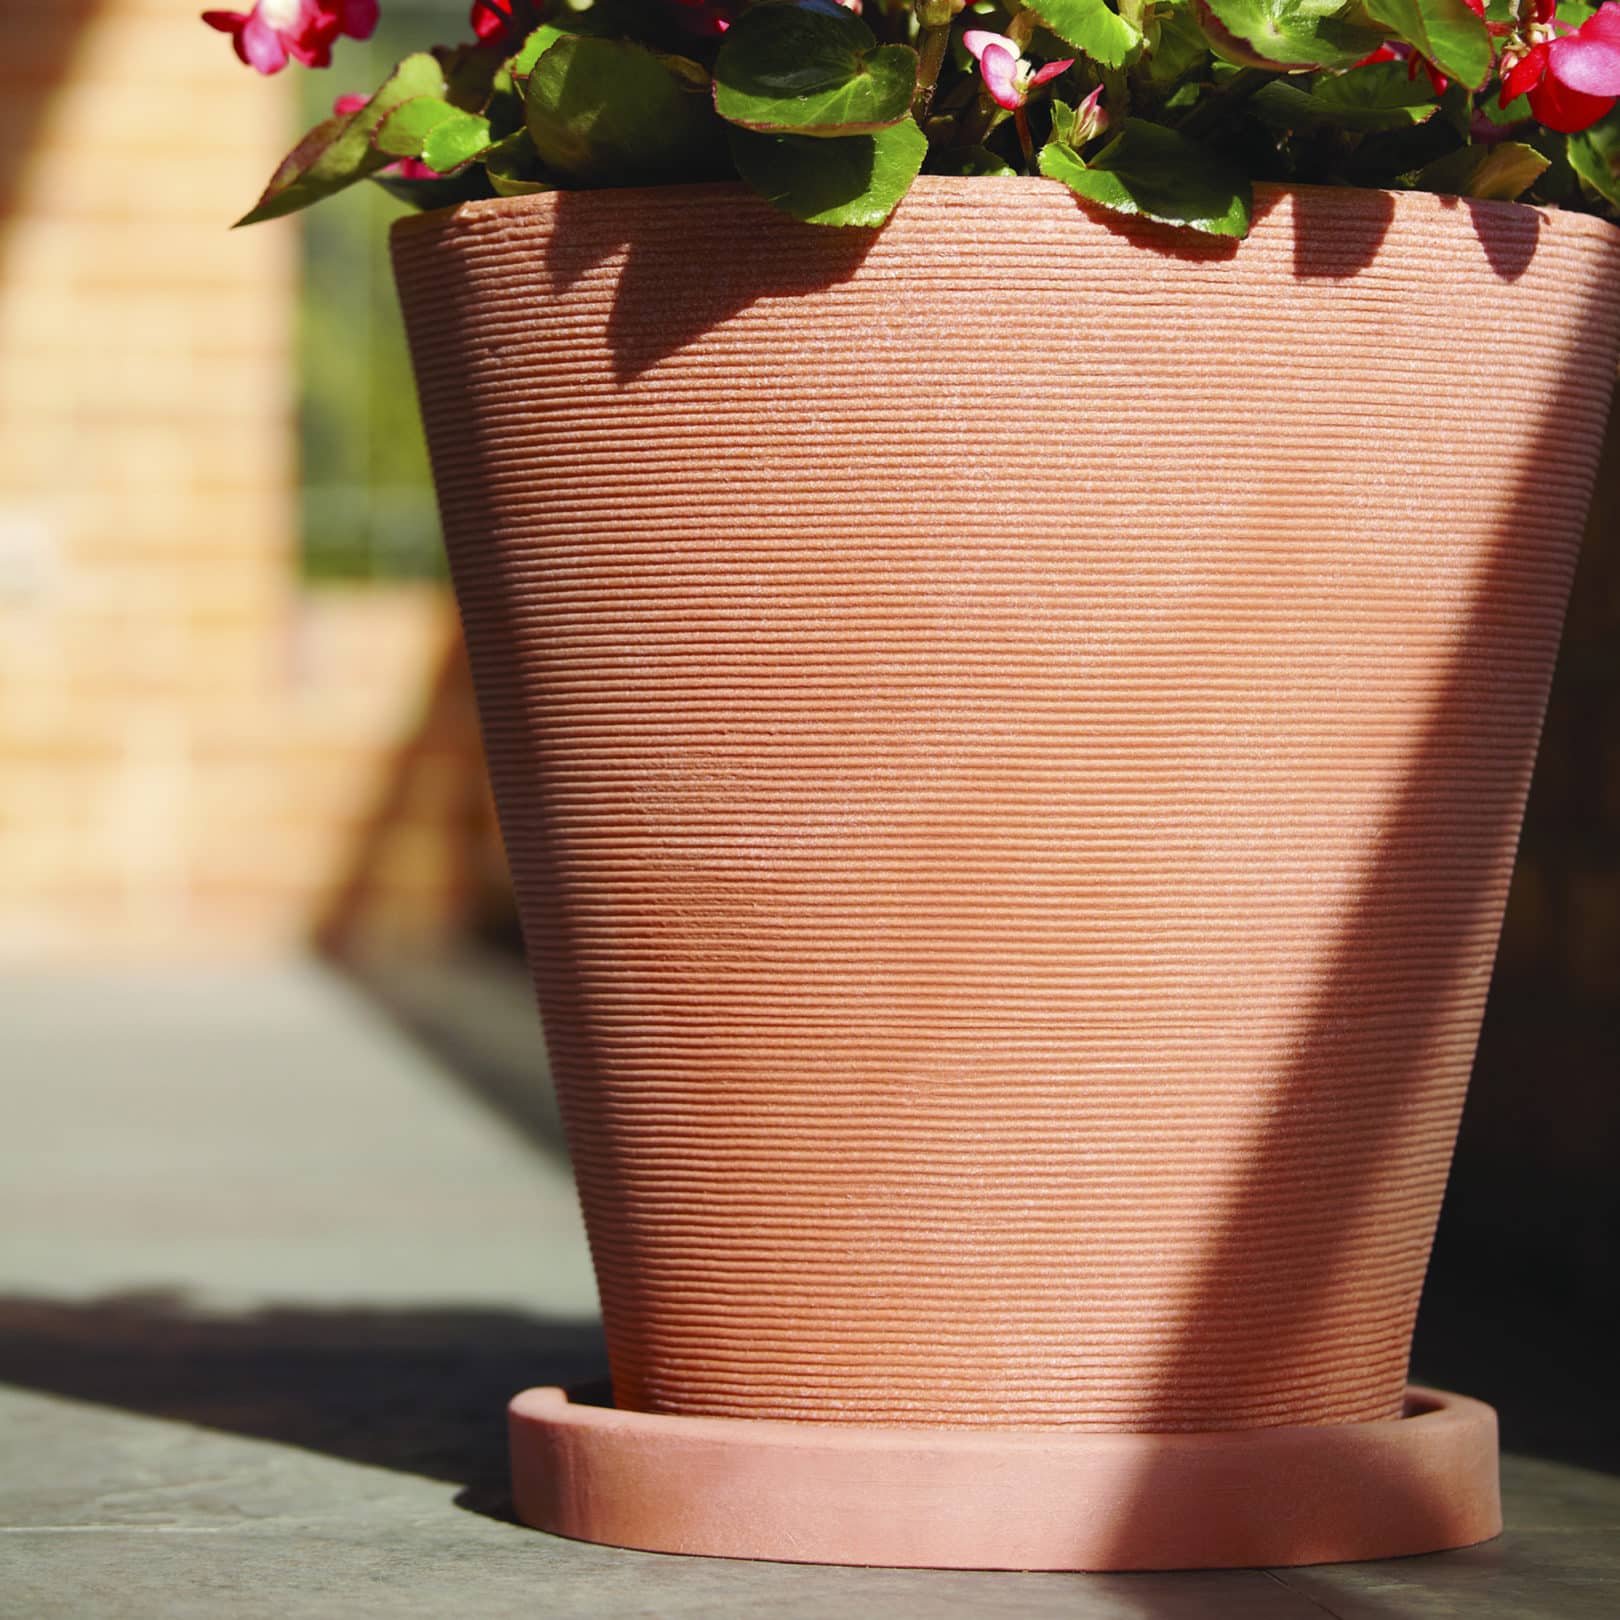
[(251, 892)]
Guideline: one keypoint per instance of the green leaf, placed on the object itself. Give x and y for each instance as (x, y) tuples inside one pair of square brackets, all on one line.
[(1595, 158), (851, 180), (1517, 111), (605, 112), (1091, 27), (340, 151), (403, 131), (1150, 170), (1289, 35), (1503, 172), (456, 141), (1381, 96), (1445, 31), (812, 69), (521, 63), (972, 160), (470, 72), (1175, 44), (444, 137), (513, 169)]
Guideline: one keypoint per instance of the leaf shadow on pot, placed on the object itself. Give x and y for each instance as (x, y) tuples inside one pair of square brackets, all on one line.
[(1337, 231), (1164, 241), (1449, 787), (417, 1390), (666, 295), (1508, 233)]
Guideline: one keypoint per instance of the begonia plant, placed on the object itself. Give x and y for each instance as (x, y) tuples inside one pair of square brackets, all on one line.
[(830, 108)]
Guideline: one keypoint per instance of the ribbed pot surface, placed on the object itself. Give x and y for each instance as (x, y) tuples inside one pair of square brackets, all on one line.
[(1011, 734)]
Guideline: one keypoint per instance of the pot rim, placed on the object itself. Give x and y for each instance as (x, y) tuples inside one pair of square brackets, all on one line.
[(964, 190)]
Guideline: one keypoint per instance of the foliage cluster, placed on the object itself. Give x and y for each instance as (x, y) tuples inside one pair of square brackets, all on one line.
[(1165, 108)]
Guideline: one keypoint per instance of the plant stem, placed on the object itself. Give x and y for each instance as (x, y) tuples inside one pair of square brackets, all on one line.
[(1216, 107), (1116, 94), (1021, 122), (932, 42)]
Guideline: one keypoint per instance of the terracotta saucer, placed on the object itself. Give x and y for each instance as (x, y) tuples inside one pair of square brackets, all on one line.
[(831, 1493)]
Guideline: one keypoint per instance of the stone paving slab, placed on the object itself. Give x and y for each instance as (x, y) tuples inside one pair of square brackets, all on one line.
[(269, 1268)]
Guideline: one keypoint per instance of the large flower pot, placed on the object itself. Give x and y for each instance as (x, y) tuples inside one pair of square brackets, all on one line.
[(1011, 733)]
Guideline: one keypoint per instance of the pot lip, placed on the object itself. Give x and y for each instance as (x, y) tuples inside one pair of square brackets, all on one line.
[(1427, 1411), (1050, 1499), (1028, 190)]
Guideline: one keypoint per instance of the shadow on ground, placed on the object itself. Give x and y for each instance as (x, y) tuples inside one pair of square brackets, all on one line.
[(421, 1391)]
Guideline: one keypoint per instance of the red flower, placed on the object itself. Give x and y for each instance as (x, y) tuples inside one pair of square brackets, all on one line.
[(1390, 51), (304, 30), (504, 20), (1571, 75)]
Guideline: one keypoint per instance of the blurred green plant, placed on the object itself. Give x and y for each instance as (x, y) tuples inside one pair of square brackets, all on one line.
[(366, 496)]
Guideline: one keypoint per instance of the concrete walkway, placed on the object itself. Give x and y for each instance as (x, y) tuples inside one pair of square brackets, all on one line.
[(273, 1253)]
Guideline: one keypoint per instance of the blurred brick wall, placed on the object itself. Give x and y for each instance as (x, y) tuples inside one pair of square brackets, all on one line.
[(196, 758)]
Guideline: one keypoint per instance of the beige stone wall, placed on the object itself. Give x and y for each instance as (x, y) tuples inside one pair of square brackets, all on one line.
[(197, 759)]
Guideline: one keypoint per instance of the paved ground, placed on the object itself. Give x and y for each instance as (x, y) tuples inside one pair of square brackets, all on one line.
[(273, 1253)]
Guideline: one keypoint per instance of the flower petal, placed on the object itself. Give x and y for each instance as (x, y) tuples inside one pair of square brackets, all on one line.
[(999, 68), (1604, 23), (260, 46), (1524, 75), (1050, 71), (359, 18), (979, 40), (1566, 110), (1586, 62)]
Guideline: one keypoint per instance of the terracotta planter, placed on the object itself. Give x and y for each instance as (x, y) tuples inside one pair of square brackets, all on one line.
[(1010, 734)]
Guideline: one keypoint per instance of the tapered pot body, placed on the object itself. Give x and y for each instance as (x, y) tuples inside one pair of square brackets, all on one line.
[(1010, 734)]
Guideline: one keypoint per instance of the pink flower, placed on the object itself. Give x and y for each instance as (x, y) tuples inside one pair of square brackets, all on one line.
[(1090, 120), (1008, 76), (1572, 75), (303, 30)]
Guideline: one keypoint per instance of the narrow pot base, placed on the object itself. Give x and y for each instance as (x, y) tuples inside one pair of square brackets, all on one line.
[(831, 1493)]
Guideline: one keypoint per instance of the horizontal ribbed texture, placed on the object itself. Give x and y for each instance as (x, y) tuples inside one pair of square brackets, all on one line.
[(1011, 734)]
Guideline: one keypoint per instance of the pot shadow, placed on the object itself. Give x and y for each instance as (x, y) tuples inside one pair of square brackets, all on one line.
[(419, 1391), (667, 295), (1415, 899)]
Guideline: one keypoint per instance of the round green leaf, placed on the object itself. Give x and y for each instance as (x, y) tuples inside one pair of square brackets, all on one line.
[(1595, 158), (1091, 27), (1150, 170), (1503, 172), (1446, 31), (852, 180), (1291, 36), (812, 69), (605, 112), (403, 132), (1382, 95)]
